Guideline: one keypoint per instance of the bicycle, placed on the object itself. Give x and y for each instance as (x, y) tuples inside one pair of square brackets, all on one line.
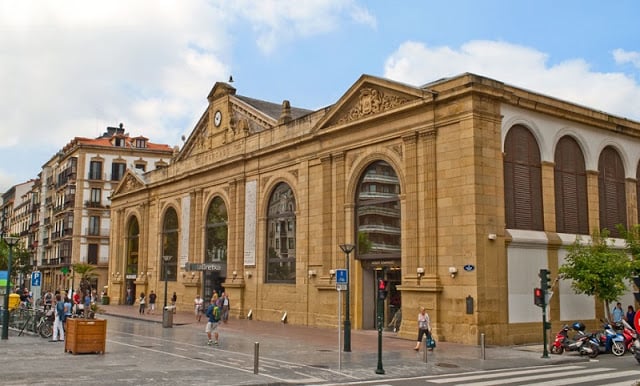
[(44, 327)]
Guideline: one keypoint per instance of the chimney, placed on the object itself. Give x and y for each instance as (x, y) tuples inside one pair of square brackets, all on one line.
[(285, 115)]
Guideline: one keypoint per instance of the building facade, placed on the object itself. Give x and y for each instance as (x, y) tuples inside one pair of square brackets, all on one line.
[(74, 192), (456, 193)]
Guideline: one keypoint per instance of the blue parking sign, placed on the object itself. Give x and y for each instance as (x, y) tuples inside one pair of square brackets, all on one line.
[(342, 276), (36, 278)]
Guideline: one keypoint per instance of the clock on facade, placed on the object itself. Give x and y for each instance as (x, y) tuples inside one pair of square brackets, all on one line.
[(217, 118)]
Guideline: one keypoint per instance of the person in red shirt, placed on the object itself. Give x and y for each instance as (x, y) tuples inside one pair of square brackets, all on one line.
[(76, 302)]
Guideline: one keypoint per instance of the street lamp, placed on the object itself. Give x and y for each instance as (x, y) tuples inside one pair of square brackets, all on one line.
[(347, 248), (166, 259), (11, 242)]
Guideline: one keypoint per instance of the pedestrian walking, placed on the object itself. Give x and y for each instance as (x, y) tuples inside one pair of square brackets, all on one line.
[(225, 307), (213, 315), (424, 327), (143, 304), (199, 305), (58, 321), (152, 303), (174, 299)]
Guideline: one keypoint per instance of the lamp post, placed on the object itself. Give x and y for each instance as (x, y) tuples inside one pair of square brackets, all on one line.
[(11, 242), (347, 249)]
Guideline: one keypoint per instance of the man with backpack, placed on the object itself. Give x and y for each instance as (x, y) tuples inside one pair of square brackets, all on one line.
[(213, 313)]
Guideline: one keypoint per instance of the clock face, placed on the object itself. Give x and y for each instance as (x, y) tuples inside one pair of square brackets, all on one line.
[(217, 119)]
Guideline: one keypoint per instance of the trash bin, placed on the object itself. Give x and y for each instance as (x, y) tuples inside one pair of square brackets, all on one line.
[(105, 300), (167, 317), (14, 301)]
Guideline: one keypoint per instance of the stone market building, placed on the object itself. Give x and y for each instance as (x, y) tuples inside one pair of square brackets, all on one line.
[(456, 193)]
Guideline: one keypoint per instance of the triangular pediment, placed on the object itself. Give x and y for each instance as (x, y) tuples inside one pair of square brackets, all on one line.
[(130, 182), (239, 117), (368, 97)]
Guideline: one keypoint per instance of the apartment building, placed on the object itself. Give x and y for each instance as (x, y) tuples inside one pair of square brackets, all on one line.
[(73, 204)]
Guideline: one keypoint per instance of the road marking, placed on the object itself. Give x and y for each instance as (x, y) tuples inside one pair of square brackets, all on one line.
[(504, 372), (590, 378), (535, 376)]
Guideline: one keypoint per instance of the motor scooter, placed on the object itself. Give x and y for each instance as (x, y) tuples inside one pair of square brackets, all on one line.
[(630, 336), (636, 351), (611, 340), (579, 343)]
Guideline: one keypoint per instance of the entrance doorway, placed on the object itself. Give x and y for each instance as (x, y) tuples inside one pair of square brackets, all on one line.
[(392, 304)]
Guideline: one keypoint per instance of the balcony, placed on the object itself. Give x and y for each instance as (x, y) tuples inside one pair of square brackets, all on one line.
[(92, 232)]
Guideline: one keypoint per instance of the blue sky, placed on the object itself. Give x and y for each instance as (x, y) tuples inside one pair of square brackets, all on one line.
[(72, 68)]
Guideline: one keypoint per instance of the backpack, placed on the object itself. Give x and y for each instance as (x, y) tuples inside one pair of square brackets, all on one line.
[(213, 313)]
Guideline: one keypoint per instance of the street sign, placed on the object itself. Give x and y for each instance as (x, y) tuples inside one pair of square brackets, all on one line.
[(341, 287), (36, 278), (342, 276)]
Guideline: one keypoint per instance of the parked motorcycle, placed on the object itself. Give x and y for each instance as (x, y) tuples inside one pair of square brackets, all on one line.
[(611, 340), (636, 351), (630, 336), (579, 343)]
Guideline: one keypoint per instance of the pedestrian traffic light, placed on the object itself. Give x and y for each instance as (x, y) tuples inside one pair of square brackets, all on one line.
[(382, 289), (538, 297), (545, 280)]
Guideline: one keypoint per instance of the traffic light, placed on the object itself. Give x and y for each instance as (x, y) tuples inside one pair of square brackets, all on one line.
[(545, 280), (538, 297), (382, 289)]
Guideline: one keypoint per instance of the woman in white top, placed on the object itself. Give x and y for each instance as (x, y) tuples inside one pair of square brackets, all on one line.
[(199, 304), (424, 327)]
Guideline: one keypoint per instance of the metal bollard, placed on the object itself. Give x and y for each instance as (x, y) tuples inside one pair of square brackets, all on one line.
[(482, 347), (256, 354), (424, 344)]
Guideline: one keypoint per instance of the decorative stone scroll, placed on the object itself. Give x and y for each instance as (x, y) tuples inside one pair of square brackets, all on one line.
[(372, 101)]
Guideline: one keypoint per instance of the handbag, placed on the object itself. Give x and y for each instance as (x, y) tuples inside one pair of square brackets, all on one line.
[(431, 343)]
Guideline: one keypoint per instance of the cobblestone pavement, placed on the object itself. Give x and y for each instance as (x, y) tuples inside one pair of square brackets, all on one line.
[(147, 353)]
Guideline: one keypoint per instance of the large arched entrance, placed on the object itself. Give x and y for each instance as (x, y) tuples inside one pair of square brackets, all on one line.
[(215, 258), (377, 223)]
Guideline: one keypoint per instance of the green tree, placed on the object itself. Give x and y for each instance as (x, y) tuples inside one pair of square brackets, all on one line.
[(632, 239), (597, 269), (86, 273), (20, 262)]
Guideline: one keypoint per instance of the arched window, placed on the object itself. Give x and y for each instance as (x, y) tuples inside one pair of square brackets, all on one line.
[(611, 190), (281, 236), (378, 213), (570, 188), (133, 242), (522, 180), (170, 245), (216, 228)]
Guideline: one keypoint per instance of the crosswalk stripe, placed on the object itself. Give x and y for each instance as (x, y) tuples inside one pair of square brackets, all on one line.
[(482, 375), (589, 378), (534, 377)]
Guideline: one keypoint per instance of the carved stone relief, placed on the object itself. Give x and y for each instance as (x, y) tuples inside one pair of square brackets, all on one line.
[(372, 101)]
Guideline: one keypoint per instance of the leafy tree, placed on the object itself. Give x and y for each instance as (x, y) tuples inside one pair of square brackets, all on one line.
[(632, 238), (86, 272), (597, 269), (20, 262)]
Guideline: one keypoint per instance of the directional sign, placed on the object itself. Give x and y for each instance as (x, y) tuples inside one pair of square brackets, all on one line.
[(342, 276), (36, 278)]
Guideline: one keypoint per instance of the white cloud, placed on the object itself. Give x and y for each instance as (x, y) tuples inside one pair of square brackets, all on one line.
[(277, 22), (622, 57), (72, 68), (572, 80)]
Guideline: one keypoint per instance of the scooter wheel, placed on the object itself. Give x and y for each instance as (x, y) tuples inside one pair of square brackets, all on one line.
[(556, 349), (595, 350), (617, 349)]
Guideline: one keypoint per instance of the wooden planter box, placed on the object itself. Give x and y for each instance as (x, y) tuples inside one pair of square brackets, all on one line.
[(85, 336)]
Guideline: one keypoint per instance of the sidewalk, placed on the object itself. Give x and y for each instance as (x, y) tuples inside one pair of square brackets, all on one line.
[(319, 347)]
